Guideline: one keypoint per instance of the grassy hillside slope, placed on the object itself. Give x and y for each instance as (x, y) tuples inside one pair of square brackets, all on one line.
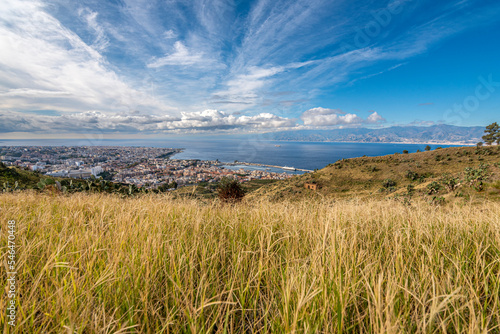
[(390, 176), (24, 178), (100, 263)]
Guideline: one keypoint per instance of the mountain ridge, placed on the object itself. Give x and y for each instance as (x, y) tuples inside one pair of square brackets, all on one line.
[(395, 134)]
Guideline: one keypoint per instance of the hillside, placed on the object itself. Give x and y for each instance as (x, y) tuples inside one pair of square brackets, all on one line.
[(10, 175), (442, 174)]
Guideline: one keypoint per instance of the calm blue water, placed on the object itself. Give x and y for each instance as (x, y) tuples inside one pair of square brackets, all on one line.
[(306, 155)]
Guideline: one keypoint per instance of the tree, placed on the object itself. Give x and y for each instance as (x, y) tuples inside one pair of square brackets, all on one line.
[(230, 191), (427, 148), (492, 134)]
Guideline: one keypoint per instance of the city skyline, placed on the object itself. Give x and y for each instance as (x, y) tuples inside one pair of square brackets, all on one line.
[(148, 69)]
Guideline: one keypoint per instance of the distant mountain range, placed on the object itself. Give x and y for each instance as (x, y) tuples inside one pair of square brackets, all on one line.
[(442, 134)]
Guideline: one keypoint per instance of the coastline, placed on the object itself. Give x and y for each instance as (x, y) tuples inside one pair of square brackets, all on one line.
[(371, 142)]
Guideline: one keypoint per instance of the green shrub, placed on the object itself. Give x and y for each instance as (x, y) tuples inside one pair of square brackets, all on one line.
[(433, 188), (410, 190), (450, 182), (388, 183), (475, 176), (438, 200), (413, 176), (230, 191)]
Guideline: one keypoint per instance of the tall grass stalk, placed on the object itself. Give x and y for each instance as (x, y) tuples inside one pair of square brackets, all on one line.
[(102, 264)]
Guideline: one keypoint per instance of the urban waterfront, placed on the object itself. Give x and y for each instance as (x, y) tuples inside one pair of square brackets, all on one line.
[(250, 149), (148, 167)]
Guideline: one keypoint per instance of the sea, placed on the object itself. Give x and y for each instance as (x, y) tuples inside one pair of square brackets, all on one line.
[(251, 149)]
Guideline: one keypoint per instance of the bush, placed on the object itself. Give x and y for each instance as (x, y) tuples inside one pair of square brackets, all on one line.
[(230, 191), (433, 188), (388, 183), (475, 176), (45, 182), (410, 189), (450, 182), (405, 151), (438, 200), (412, 175)]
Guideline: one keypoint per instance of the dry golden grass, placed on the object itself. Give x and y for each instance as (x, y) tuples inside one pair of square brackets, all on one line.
[(102, 264)]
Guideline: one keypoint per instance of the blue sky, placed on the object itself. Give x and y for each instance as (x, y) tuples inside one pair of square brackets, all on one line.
[(145, 68)]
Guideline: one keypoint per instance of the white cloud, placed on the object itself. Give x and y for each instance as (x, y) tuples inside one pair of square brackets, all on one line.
[(328, 117), (44, 65), (331, 117), (101, 40), (214, 119), (245, 88), (375, 118), (267, 120), (183, 57), (201, 55), (95, 121), (169, 34)]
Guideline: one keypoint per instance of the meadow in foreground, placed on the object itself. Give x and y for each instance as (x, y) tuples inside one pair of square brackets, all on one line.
[(95, 263)]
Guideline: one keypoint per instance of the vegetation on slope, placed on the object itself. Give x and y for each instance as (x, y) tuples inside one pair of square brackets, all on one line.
[(99, 263), (11, 175), (443, 174)]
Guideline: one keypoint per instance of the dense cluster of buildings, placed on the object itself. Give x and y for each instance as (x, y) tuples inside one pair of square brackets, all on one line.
[(143, 166)]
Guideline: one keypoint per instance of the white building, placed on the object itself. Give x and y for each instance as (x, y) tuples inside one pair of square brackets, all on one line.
[(59, 173), (80, 174), (96, 170)]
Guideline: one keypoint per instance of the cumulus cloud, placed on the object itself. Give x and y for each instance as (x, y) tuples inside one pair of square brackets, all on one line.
[(135, 122), (332, 117), (217, 120), (328, 117), (375, 118), (267, 120)]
